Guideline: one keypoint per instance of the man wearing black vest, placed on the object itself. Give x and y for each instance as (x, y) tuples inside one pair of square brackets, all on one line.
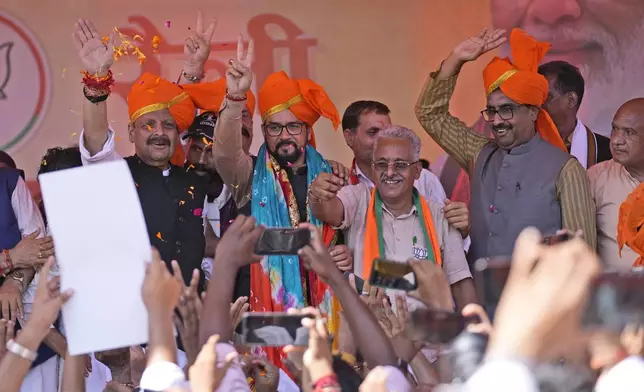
[(172, 198)]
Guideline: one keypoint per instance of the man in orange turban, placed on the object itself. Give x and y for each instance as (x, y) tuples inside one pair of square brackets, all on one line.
[(276, 184), (524, 176)]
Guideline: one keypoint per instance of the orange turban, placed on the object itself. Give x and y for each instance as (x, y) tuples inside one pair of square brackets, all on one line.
[(306, 99), (629, 225), (151, 93), (218, 93), (520, 81)]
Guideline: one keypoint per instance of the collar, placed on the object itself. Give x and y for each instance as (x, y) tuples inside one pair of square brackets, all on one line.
[(526, 147), (363, 178), (165, 172), (411, 212)]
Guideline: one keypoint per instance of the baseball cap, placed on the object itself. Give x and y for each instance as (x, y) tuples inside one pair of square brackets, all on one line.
[(202, 126)]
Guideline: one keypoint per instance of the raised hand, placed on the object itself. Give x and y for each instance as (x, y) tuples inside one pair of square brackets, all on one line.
[(31, 251), (239, 76), (197, 47), (316, 255), (237, 245), (190, 311), (161, 290), (207, 373), (237, 310), (325, 186), (97, 57), (49, 300), (472, 48)]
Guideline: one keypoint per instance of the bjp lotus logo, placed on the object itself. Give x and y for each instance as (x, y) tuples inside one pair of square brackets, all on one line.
[(25, 84)]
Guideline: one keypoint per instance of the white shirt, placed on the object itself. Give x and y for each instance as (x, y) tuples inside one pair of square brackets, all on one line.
[(428, 185)]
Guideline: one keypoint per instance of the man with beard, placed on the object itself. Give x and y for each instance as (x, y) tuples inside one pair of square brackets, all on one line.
[(524, 177), (279, 181), (565, 95), (172, 198), (612, 181), (408, 226)]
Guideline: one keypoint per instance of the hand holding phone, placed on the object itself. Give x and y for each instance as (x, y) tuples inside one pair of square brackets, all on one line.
[(392, 274), (282, 241), (274, 329), (437, 326)]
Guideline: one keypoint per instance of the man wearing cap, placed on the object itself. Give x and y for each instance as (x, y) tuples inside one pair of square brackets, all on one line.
[(276, 186), (172, 199), (524, 176)]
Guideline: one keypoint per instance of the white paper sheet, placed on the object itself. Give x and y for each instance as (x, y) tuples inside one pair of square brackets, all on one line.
[(102, 246)]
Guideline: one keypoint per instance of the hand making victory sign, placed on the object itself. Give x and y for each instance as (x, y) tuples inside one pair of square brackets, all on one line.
[(239, 76), (197, 48), (97, 56)]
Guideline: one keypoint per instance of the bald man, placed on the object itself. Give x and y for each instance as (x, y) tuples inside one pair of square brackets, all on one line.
[(612, 181)]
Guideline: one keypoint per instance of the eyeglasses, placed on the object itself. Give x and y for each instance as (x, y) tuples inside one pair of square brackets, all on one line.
[(274, 129), (399, 166), (505, 112)]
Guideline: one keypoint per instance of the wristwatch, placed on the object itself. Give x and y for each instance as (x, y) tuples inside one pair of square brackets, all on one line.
[(18, 276)]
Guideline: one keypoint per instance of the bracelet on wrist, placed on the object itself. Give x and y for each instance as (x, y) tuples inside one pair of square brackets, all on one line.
[(235, 98), (193, 78), (327, 383), (21, 351)]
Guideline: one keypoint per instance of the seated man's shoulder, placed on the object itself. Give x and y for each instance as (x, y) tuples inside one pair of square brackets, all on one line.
[(602, 170)]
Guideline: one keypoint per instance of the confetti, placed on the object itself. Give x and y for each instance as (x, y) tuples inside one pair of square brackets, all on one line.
[(118, 138), (149, 127), (181, 202), (289, 164), (136, 36), (261, 203), (191, 194), (137, 184), (64, 70), (167, 23), (44, 162), (74, 133), (159, 236), (156, 41), (75, 112), (191, 167), (235, 186)]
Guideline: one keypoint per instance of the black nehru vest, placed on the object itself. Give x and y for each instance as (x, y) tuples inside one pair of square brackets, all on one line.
[(172, 206)]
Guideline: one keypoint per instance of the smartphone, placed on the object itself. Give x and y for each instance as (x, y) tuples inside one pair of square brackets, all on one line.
[(616, 300), (437, 326), (392, 275), (274, 329), (490, 275), (557, 239), (282, 241), (359, 282)]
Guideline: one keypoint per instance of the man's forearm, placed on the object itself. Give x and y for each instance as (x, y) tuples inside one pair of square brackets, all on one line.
[(95, 126), (57, 342), (329, 211), (463, 293), (215, 316), (231, 162), (451, 66), (162, 347), (364, 327)]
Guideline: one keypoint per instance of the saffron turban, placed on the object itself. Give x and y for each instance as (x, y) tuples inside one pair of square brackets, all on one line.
[(630, 224), (519, 80), (306, 99), (151, 93)]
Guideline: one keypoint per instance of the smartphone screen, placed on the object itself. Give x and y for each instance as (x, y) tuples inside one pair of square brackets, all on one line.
[(274, 329), (557, 239), (437, 326), (392, 275), (282, 241), (616, 299)]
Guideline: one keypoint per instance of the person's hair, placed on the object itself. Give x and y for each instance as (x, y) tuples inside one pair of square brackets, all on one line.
[(348, 379), (7, 160), (567, 78), (398, 132), (351, 116), (59, 158), (425, 163)]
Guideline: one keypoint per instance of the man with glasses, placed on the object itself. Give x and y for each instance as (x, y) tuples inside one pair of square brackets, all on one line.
[(276, 185), (393, 220), (566, 91), (524, 176)]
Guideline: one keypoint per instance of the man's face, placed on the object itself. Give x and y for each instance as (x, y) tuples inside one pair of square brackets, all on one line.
[(627, 138), (393, 177), (512, 124), (601, 37), (286, 136), (247, 130), (361, 140), (198, 147), (154, 136), (559, 106)]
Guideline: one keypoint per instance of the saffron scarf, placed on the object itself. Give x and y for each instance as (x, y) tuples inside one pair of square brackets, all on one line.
[(374, 242), (630, 223), (278, 282)]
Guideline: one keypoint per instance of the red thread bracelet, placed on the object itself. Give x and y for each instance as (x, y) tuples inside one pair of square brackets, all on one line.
[(328, 381), (234, 98)]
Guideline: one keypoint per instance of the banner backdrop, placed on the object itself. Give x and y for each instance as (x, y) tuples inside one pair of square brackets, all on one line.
[(359, 49)]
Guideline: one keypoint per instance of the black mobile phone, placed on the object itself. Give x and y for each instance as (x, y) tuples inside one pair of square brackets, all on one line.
[(282, 241), (393, 275), (274, 329), (437, 326), (359, 282), (616, 300), (557, 239)]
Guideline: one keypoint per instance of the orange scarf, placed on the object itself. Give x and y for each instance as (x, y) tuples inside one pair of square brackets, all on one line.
[(374, 244), (630, 222)]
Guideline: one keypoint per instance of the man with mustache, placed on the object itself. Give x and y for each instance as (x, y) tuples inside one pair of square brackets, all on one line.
[(408, 226), (612, 181), (565, 93), (524, 176), (172, 198), (276, 185)]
